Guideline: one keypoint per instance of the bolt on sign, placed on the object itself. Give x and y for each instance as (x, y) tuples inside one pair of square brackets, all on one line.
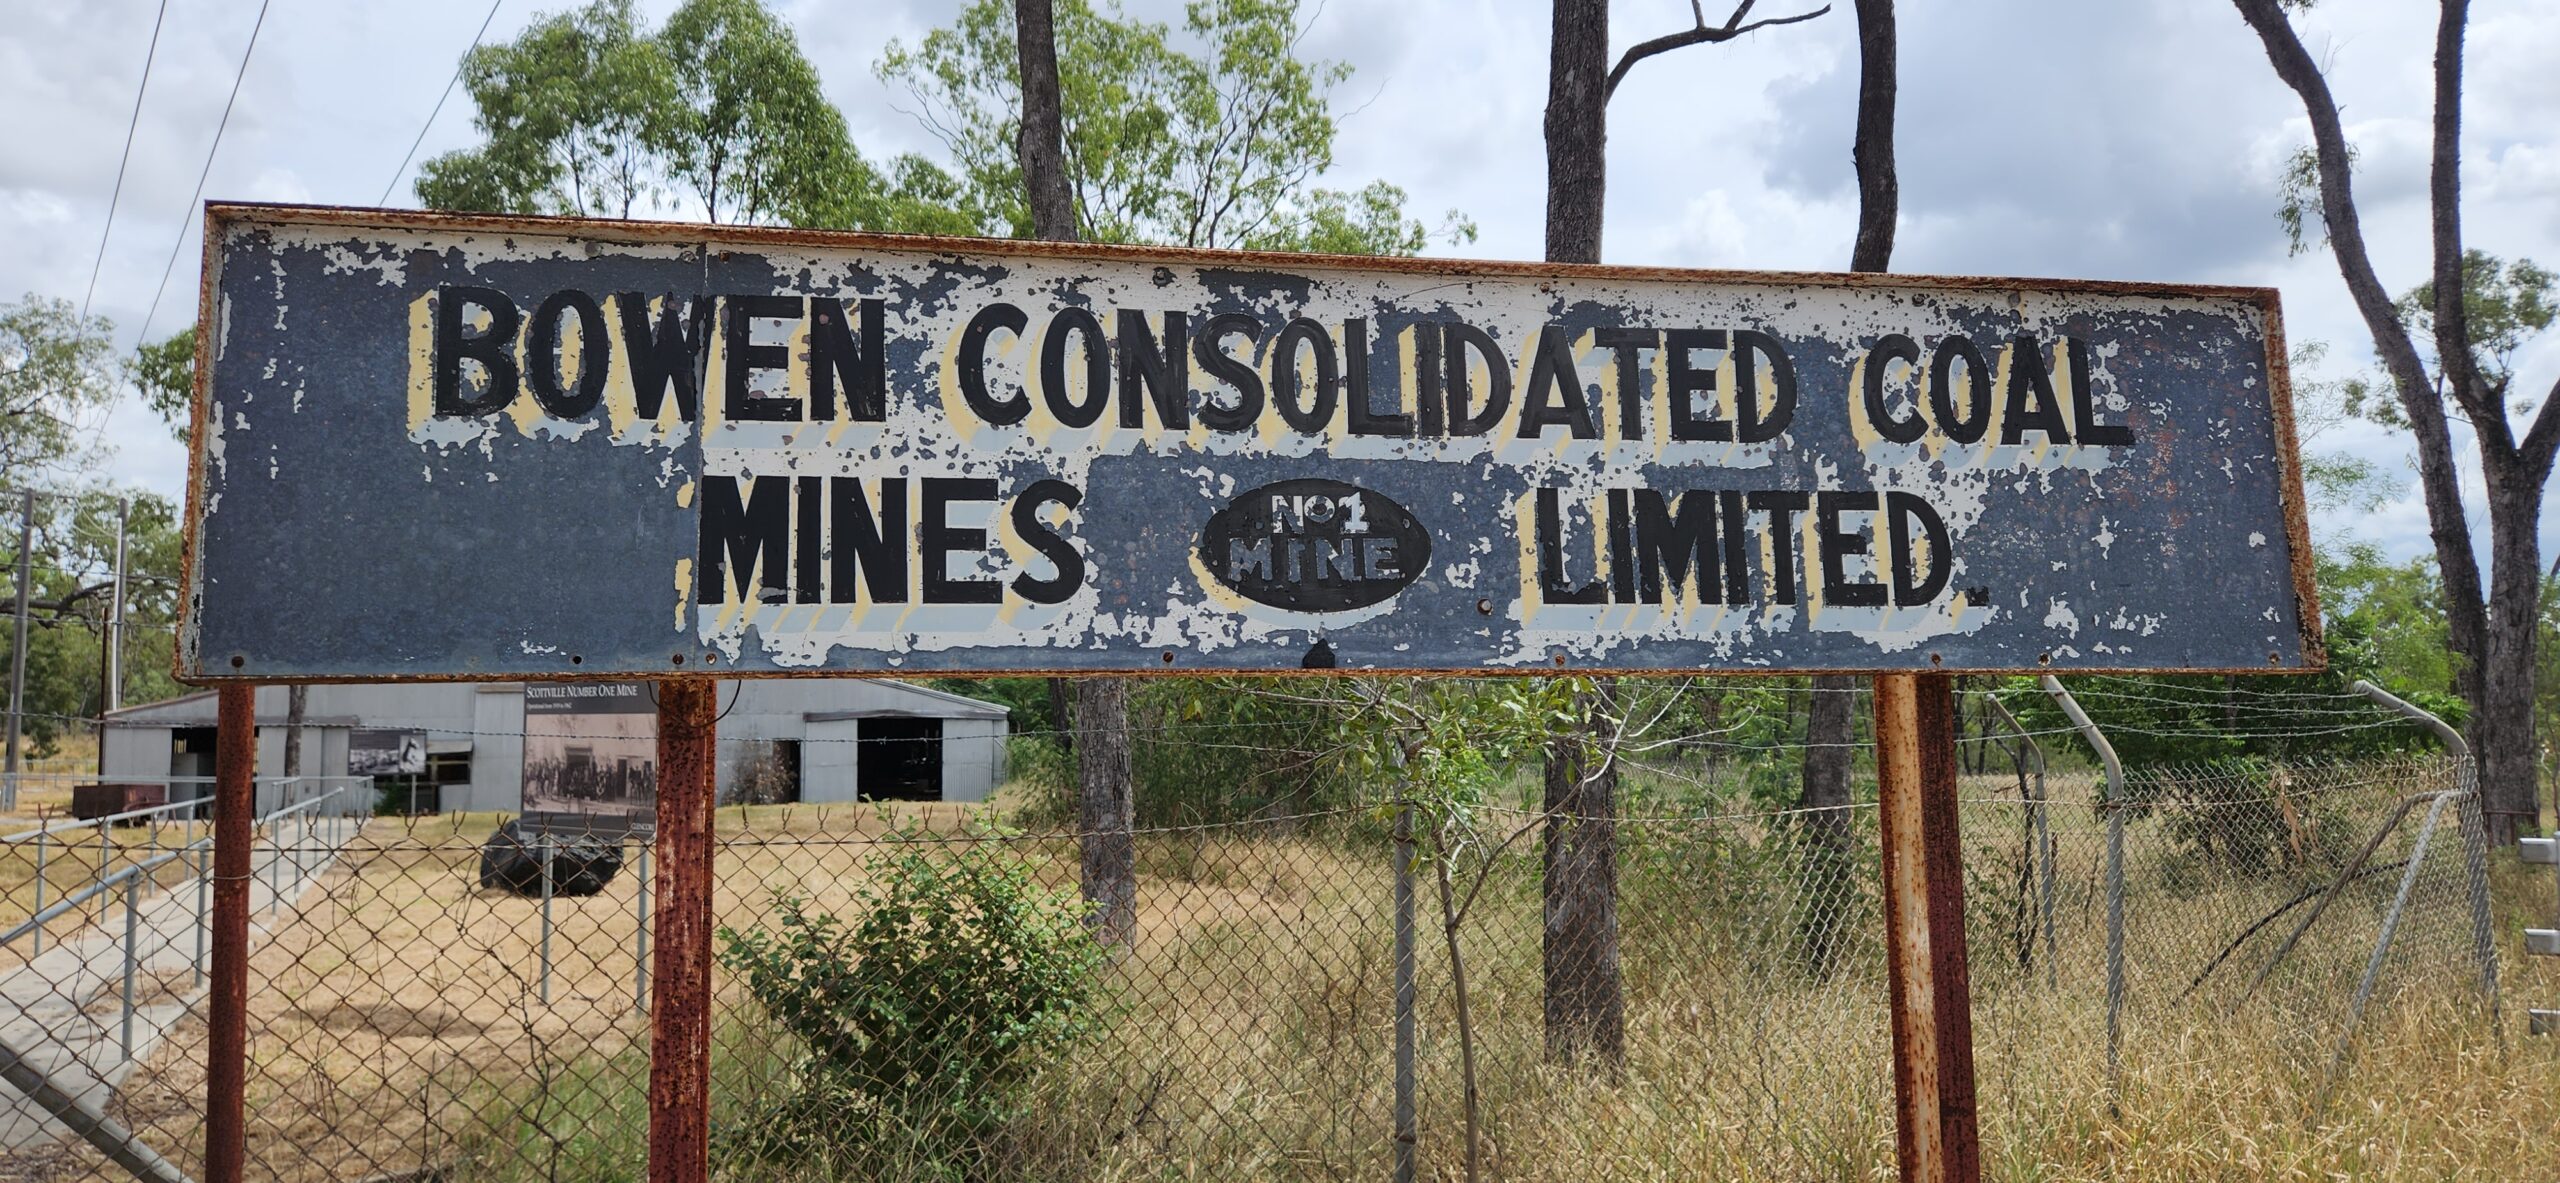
[(451, 447)]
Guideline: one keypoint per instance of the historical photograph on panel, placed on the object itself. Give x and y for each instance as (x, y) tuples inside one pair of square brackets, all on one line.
[(373, 752), (590, 757)]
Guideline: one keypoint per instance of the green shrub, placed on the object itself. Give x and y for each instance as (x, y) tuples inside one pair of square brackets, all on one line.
[(927, 1016)]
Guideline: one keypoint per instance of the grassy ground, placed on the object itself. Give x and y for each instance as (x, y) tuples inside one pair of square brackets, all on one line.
[(398, 1022)]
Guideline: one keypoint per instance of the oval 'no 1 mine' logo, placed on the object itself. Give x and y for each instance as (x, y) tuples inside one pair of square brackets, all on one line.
[(1314, 545)]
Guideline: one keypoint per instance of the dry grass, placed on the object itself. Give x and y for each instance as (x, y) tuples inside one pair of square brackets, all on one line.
[(396, 1025)]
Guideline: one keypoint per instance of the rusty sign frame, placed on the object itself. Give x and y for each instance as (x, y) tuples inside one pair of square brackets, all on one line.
[(195, 668)]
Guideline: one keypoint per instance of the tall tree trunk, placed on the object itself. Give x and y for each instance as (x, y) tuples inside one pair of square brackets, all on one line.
[(1042, 143), (1100, 732), (2502, 728), (2492, 634), (1577, 131), (297, 700), (1829, 724), (1585, 999), (1827, 879), (1586, 1009), (1103, 813)]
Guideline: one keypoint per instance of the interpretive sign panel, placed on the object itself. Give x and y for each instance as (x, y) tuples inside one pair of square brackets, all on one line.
[(590, 757), (612, 449)]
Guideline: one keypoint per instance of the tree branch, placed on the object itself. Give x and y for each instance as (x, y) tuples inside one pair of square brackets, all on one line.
[(1703, 34)]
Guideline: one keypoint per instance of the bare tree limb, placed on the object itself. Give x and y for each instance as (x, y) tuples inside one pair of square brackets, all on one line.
[(1703, 34), (2438, 478)]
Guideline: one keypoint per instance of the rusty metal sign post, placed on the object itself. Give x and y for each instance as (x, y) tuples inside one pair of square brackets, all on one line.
[(593, 451)]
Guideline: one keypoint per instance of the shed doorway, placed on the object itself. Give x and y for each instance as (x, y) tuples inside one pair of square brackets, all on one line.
[(898, 759)]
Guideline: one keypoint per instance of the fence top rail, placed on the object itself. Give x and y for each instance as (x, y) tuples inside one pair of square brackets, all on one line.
[(57, 829), (78, 898)]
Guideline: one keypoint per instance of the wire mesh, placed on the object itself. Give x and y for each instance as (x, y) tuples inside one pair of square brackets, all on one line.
[(914, 991)]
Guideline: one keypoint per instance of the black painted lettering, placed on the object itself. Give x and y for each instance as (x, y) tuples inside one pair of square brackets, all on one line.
[(749, 536), (1550, 545), (1968, 427), (494, 348), (1686, 380), (1062, 554), (1839, 544), (1363, 418), (2029, 402), (1209, 350), (1755, 424), (1891, 348), (741, 357), (1304, 415), (558, 399), (1164, 372), (1430, 406), (972, 363), (937, 538), (1629, 345), (670, 350), (1782, 506), (1733, 528), (2084, 402), (1054, 392), (838, 357), (1462, 339), (1622, 548), (1902, 511), (808, 539), (1555, 393), (1675, 542), (862, 546)]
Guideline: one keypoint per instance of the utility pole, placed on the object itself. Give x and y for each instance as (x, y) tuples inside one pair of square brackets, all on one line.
[(115, 617), (111, 652), (18, 650)]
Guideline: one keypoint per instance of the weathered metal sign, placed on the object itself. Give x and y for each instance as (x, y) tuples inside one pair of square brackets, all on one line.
[(451, 447)]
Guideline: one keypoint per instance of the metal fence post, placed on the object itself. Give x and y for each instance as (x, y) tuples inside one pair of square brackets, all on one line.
[(640, 937), (1408, 1131), (2381, 947), (680, 1024), (106, 859), (227, 1019), (2475, 839), (2115, 883), (1928, 979), (132, 927), (204, 881), (546, 918), (41, 835)]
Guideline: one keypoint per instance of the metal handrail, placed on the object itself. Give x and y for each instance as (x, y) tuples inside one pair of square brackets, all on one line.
[(58, 829), (108, 883)]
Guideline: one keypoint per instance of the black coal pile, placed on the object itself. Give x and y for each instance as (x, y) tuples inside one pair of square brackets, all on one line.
[(511, 860)]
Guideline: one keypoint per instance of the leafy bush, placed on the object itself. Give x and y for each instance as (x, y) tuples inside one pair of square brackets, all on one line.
[(926, 1017)]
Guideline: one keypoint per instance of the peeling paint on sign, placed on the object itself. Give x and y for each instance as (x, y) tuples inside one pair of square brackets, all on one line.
[(535, 448)]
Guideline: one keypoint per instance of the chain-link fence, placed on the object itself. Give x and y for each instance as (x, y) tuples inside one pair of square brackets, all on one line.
[(912, 990)]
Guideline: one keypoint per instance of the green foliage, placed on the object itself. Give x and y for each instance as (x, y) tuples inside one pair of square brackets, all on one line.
[(749, 132), (2503, 305), (960, 980), (165, 373), (573, 110), (56, 369), (70, 603), (1206, 139), (588, 113)]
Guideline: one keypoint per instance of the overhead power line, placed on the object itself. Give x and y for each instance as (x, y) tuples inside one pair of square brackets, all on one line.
[(135, 121), (449, 84), (186, 217)]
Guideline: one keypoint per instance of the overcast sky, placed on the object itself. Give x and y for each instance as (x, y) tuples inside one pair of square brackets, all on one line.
[(2116, 140)]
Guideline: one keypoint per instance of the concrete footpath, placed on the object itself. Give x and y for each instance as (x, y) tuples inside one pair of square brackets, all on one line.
[(64, 1009)]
